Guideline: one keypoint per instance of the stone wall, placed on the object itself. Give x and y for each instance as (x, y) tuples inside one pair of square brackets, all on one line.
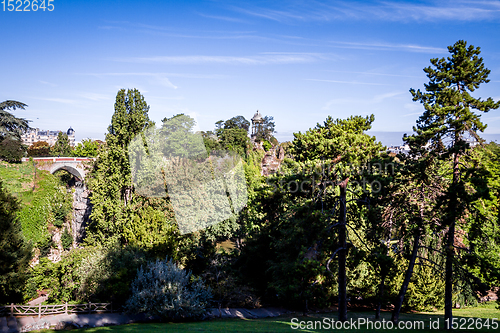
[(272, 160)]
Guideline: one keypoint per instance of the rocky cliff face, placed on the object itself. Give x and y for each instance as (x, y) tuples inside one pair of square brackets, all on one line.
[(81, 211), (272, 160)]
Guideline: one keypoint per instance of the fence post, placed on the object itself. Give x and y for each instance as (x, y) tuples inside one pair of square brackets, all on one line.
[(66, 307), (12, 309), (111, 305), (89, 307), (39, 310)]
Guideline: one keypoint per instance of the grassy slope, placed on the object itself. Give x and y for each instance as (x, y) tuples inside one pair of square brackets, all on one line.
[(18, 179), (283, 323)]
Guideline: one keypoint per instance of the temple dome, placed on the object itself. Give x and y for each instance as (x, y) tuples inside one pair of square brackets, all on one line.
[(70, 131), (257, 117)]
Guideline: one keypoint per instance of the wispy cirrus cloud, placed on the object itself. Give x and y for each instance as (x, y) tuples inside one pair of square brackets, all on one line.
[(271, 14), (388, 47), (382, 97), (350, 82), (158, 78), (377, 99), (47, 83), (164, 81), (377, 10), (60, 100), (223, 18), (182, 75), (96, 96), (168, 31), (262, 59), (373, 73)]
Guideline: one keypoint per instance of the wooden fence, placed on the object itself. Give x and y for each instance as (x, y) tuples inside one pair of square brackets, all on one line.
[(45, 310)]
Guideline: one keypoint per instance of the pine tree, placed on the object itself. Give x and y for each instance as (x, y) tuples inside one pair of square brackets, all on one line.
[(9, 124), (339, 137), (11, 129), (447, 122)]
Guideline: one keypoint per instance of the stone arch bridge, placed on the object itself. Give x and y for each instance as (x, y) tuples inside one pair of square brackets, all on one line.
[(76, 166), (73, 165)]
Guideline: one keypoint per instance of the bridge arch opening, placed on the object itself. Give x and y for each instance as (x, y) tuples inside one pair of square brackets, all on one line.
[(69, 169)]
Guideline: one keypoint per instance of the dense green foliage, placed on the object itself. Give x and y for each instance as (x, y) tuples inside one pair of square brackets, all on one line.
[(342, 220), (231, 134), (87, 148), (11, 126), (110, 179), (62, 146), (44, 205), (334, 138), (12, 149), (285, 254), (94, 274), (39, 149), (11, 129), (50, 204), (15, 251)]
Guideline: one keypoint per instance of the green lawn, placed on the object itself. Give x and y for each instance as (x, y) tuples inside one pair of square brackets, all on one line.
[(283, 323), (17, 177)]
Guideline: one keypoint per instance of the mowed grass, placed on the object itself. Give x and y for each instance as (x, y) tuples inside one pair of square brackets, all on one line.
[(284, 323), (17, 177)]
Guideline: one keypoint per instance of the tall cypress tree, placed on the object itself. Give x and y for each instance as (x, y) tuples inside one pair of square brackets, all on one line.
[(448, 120), (110, 180)]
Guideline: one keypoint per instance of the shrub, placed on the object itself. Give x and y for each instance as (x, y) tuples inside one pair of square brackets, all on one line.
[(165, 290), (66, 240), (45, 244), (39, 148), (11, 149), (108, 273), (85, 275), (266, 145)]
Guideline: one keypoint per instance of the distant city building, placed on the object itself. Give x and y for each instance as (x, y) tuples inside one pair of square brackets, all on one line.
[(472, 142), (50, 137), (403, 149)]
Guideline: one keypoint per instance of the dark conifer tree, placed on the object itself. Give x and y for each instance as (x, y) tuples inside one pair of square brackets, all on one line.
[(15, 252), (447, 123)]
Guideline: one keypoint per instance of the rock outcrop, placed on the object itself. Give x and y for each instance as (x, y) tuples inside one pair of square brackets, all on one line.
[(272, 160), (81, 211)]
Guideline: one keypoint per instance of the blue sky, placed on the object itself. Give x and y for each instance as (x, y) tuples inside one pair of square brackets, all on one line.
[(298, 61)]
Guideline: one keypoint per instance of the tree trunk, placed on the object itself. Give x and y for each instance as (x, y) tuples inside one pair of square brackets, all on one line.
[(409, 272), (448, 289), (342, 253), (380, 296)]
